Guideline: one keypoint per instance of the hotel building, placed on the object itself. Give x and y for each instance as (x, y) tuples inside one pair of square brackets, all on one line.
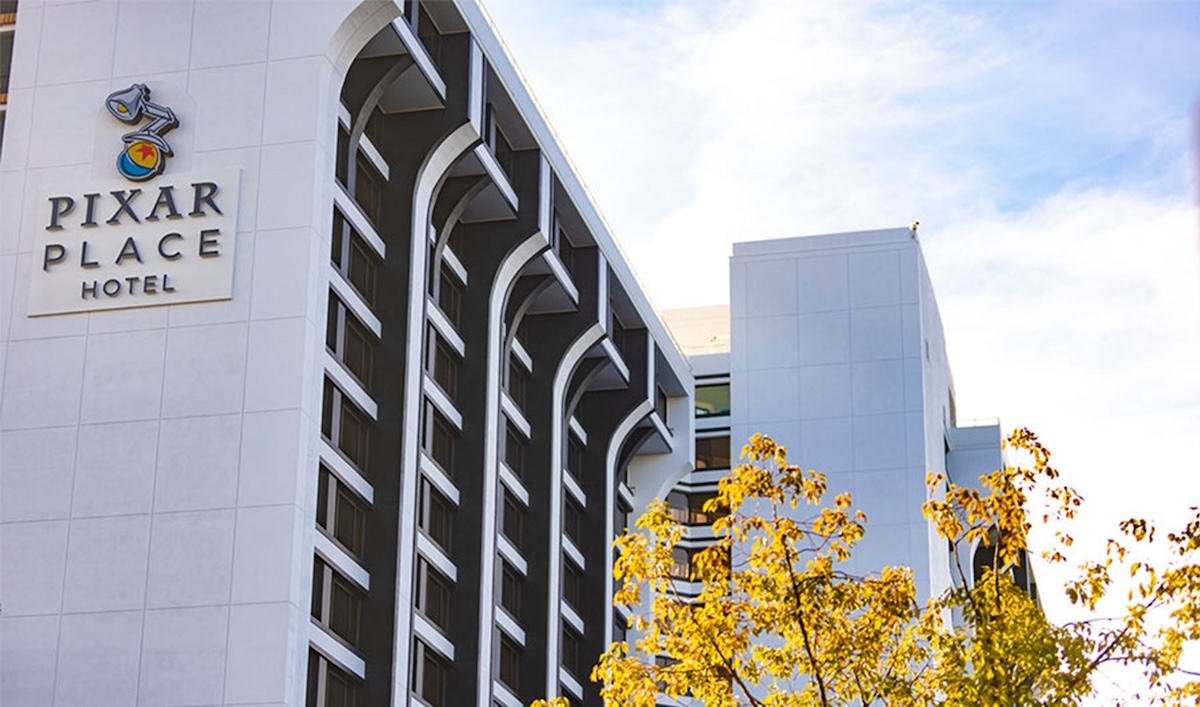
[(325, 383), (833, 346)]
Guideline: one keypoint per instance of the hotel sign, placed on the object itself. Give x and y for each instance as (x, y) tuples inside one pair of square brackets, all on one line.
[(116, 245)]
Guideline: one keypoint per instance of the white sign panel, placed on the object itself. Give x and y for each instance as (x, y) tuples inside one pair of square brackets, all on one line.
[(119, 245)]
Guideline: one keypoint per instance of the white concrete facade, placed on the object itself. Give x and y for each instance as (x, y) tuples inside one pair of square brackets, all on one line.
[(836, 350), (156, 461)]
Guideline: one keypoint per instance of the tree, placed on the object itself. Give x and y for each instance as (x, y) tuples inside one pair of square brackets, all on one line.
[(778, 622)]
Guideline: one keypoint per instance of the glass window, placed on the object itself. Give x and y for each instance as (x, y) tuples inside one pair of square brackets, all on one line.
[(349, 341), (677, 506), (575, 457), (445, 366), (562, 245), (353, 257), (345, 426), (688, 508), (336, 602), (684, 562), (342, 168), (368, 189), (572, 652), (436, 514), (430, 673), (616, 330), (622, 517), (510, 662), (712, 452), (361, 267), (433, 595), (712, 400), (518, 382), (619, 629), (497, 141), (328, 686), (696, 513), (510, 590), (681, 563), (511, 522), (573, 522), (439, 438), (341, 513), (514, 450), (450, 295), (572, 585), (6, 50)]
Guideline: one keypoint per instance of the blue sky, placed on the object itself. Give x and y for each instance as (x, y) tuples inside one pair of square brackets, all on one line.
[(1048, 150)]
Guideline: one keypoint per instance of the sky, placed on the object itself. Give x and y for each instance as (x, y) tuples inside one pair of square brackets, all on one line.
[(1048, 149)]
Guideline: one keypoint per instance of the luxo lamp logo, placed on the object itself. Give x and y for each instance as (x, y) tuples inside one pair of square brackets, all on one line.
[(113, 245), (146, 151)]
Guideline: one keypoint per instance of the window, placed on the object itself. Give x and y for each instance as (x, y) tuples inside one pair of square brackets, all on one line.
[(677, 506), (619, 629), (349, 341), (510, 590), (684, 561), (514, 450), (518, 382), (450, 295), (573, 522), (712, 400), (6, 50), (622, 520), (439, 438), (336, 602), (341, 513), (511, 522), (328, 686), (688, 508), (444, 365), (575, 457), (681, 563), (696, 513), (572, 585), (660, 403), (344, 426), (510, 662), (712, 452), (616, 330), (436, 514), (342, 168), (433, 595), (983, 560), (622, 515), (430, 675), (353, 258), (368, 189), (572, 652), (496, 140), (563, 246)]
